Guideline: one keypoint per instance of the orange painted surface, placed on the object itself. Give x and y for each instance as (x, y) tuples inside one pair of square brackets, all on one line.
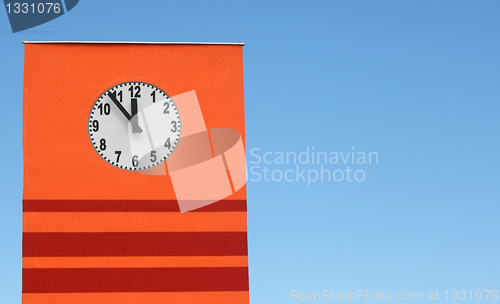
[(134, 221), (217, 297), (61, 83), (135, 262)]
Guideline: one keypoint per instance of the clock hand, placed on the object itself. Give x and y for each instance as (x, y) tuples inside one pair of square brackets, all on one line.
[(135, 126), (135, 119), (112, 95)]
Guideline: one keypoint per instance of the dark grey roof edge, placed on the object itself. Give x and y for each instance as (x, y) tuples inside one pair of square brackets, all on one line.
[(136, 42)]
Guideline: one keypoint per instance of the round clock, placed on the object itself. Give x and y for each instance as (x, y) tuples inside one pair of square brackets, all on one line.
[(134, 126)]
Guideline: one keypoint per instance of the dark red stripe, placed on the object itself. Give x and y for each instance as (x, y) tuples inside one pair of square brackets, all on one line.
[(72, 280), (125, 206), (135, 244)]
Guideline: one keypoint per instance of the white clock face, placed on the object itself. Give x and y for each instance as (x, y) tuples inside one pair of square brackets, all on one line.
[(134, 126)]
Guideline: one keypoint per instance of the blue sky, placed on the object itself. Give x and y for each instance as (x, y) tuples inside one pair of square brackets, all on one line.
[(414, 81)]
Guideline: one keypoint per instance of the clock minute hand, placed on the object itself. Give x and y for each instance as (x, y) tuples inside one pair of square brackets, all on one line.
[(135, 125)]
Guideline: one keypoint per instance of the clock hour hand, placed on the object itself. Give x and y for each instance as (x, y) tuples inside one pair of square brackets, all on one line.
[(135, 119), (135, 125)]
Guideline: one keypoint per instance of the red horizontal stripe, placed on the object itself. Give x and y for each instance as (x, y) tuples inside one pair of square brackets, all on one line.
[(135, 244), (72, 280), (125, 206)]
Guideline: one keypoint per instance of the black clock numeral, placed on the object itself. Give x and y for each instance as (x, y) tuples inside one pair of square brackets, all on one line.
[(154, 96), (135, 161), (95, 126), (118, 154), (102, 146), (121, 96), (174, 126), (137, 91), (104, 109), (167, 143), (153, 156), (167, 105)]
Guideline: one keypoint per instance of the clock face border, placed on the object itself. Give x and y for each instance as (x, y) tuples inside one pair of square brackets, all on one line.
[(101, 100)]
